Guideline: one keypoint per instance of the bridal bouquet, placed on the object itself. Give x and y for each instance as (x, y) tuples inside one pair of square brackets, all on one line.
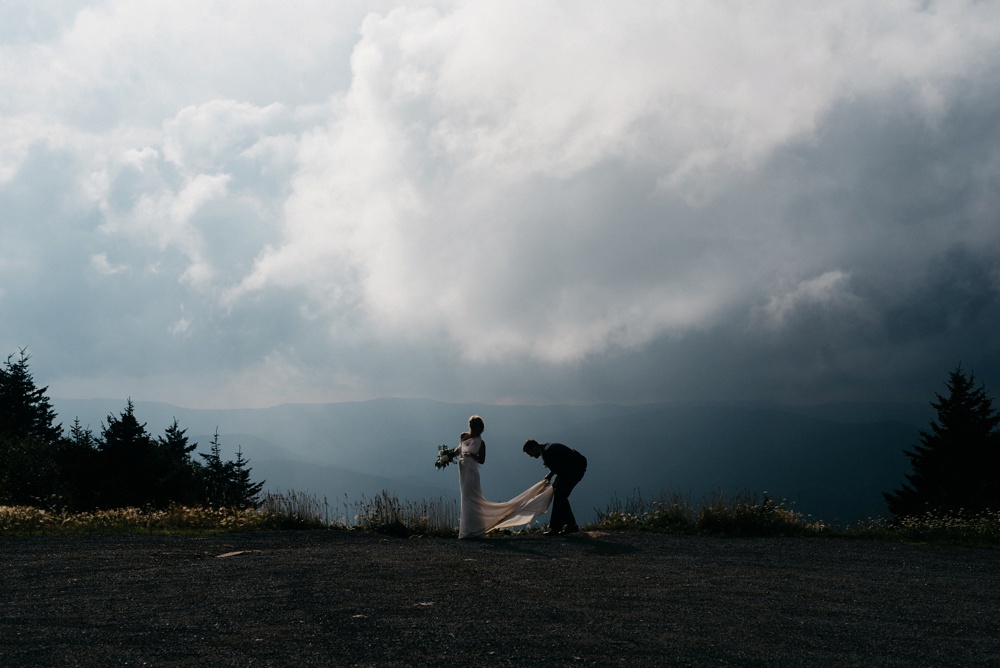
[(445, 456)]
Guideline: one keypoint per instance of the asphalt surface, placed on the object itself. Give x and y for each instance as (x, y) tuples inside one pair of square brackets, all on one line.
[(340, 598)]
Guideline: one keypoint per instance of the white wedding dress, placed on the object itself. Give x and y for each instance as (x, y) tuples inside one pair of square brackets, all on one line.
[(479, 515)]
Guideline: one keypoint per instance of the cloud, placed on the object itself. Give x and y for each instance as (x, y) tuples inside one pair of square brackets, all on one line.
[(831, 291), (432, 193), (103, 266), (581, 202), (215, 135)]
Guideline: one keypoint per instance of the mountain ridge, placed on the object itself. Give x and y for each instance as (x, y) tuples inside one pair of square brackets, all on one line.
[(831, 461)]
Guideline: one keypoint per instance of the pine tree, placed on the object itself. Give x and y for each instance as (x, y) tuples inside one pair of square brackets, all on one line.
[(27, 472), (955, 465), (82, 437), (128, 461), (215, 474), (228, 483), (76, 460), (178, 474), (245, 493), (25, 410), (29, 437)]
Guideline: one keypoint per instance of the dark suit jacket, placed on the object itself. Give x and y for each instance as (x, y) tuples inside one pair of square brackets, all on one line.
[(563, 460)]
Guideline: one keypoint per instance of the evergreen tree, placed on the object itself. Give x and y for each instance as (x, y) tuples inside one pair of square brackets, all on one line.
[(215, 474), (956, 464), (28, 437), (27, 472), (228, 483), (76, 461), (128, 462), (25, 410), (82, 437), (178, 473), (245, 493)]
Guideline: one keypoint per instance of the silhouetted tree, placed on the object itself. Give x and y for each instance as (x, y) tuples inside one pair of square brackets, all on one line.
[(214, 473), (29, 436), (128, 462), (178, 473), (77, 468), (245, 493), (228, 483), (27, 471), (125, 466), (955, 465), (25, 410)]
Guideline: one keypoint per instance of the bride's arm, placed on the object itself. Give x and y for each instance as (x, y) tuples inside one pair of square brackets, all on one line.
[(481, 457)]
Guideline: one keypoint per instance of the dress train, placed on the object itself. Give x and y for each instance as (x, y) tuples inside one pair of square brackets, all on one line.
[(479, 515)]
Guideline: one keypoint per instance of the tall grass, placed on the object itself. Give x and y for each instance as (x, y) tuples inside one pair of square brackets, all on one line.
[(720, 515), (748, 515), (291, 510), (387, 514), (25, 520), (735, 515), (298, 509), (941, 528)]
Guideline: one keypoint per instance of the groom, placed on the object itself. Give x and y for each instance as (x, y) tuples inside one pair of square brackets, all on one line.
[(568, 466)]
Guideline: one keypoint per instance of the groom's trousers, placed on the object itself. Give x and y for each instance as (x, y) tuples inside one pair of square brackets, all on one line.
[(562, 513)]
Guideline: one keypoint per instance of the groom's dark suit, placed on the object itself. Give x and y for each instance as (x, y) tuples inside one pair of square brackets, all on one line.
[(568, 465)]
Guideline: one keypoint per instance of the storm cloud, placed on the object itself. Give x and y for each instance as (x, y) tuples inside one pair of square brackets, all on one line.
[(514, 202)]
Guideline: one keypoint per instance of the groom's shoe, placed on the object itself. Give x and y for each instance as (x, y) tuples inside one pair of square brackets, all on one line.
[(551, 532), (570, 528)]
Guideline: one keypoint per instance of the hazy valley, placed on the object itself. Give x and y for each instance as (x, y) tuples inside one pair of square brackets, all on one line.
[(831, 461)]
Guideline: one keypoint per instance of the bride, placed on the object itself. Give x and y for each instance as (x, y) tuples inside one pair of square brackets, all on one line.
[(479, 515)]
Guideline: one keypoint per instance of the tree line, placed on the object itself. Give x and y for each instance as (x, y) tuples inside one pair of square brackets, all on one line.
[(124, 466), (955, 465)]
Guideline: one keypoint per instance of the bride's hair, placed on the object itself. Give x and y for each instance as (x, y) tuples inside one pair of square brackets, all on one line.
[(476, 424)]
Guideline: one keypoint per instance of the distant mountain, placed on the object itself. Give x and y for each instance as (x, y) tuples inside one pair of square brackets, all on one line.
[(831, 461), (341, 488), (827, 469)]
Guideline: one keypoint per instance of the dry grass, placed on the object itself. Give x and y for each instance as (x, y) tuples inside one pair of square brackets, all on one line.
[(957, 528), (23, 520), (734, 516), (292, 510), (748, 515)]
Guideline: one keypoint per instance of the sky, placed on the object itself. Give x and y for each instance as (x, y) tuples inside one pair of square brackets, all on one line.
[(220, 204)]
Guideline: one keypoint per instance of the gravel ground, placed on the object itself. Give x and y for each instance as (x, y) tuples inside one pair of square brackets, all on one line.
[(338, 598)]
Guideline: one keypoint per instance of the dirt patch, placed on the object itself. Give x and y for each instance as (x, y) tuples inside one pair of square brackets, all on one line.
[(597, 599)]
